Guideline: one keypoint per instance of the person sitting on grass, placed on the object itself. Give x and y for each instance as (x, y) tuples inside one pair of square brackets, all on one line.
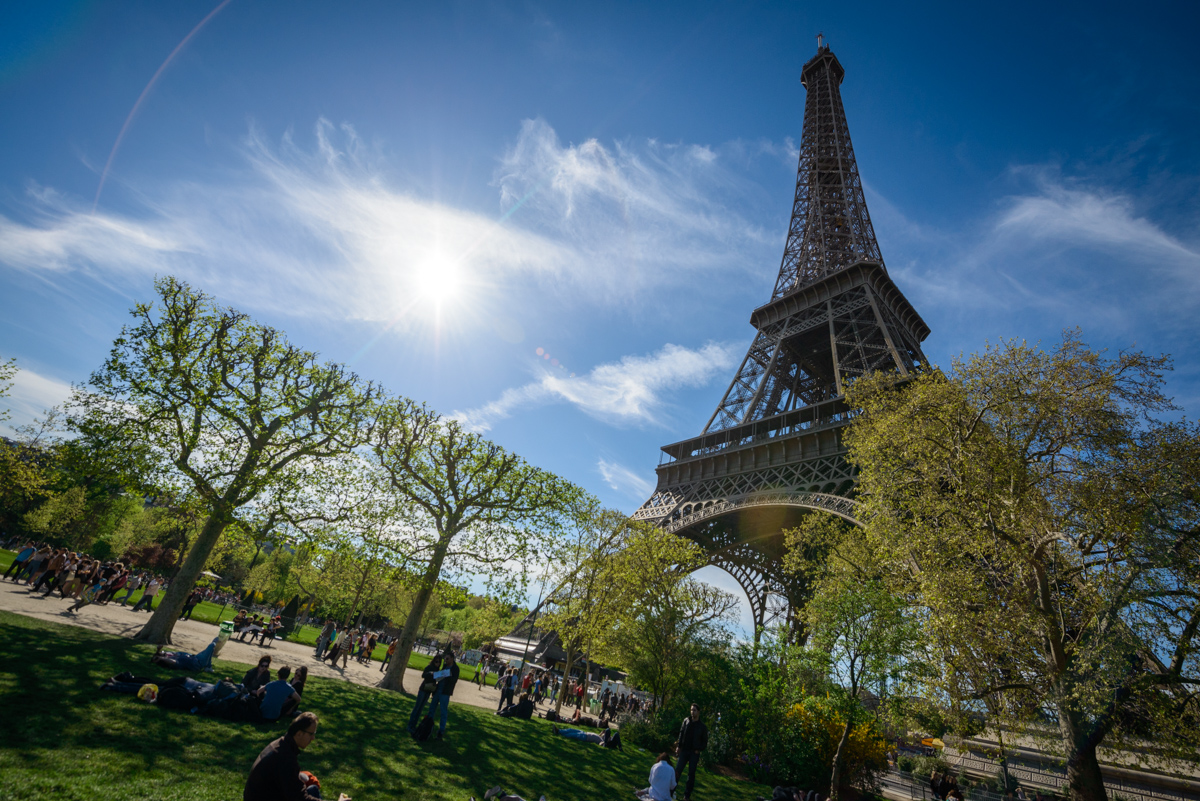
[(257, 676), (290, 706), (274, 695), (275, 775), (181, 660), (662, 780), (607, 739), (523, 709)]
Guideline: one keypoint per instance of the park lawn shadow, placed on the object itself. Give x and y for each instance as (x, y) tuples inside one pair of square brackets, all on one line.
[(64, 739)]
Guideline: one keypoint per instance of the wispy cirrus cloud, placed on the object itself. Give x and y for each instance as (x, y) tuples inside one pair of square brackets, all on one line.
[(1074, 250), (1086, 217), (31, 395), (630, 391), (327, 230), (624, 480)]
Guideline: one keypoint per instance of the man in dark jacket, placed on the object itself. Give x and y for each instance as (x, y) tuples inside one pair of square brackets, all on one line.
[(445, 689), (693, 738), (275, 775)]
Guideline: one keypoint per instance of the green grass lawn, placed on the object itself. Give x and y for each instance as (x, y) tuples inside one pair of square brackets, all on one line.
[(65, 740)]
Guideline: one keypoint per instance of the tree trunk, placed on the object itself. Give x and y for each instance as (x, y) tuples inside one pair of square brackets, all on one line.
[(394, 678), (562, 690), (835, 781), (1084, 779), (162, 622)]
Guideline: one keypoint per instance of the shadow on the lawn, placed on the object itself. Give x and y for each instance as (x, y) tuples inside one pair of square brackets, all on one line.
[(56, 719)]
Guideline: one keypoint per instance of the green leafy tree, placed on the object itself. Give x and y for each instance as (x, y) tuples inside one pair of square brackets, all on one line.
[(8, 369), (589, 590), (225, 406), (1044, 517), (666, 618), (485, 509), (860, 634)]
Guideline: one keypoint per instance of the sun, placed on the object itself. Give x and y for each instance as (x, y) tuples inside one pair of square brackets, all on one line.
[(437, 281)]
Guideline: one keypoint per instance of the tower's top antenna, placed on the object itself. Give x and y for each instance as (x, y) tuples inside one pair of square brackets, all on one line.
[(820, 39)]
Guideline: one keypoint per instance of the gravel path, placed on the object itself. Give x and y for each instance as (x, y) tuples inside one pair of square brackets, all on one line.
[(193, 636)]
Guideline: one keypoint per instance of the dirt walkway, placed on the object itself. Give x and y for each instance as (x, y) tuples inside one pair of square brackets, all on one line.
[(192, 636)]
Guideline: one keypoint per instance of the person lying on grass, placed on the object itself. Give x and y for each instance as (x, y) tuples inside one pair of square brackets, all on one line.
[(275, 775), (608, 739), (181, 660)]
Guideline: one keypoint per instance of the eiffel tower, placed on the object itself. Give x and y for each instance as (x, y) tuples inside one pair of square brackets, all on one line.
[(772, 451)]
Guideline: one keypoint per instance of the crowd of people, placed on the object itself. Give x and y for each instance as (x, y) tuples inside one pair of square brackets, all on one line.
[(84, 579), (81, 578), (350, 643)]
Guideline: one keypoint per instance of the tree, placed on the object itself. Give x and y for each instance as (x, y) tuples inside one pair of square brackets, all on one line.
[(26, 464), (8, 369), (665, 616), (228, 408), (588, 588), (859, 631), (484, 508), (1045, 520)]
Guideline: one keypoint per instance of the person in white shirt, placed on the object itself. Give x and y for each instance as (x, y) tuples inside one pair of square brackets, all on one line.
[(147, 598), (662, 780)]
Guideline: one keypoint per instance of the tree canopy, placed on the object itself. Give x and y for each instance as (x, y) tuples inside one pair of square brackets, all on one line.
[(483, 507), (223, 406), (1042, 515)]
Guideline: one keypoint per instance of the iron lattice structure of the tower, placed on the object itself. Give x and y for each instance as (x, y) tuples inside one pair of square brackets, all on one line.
[(772, 451)]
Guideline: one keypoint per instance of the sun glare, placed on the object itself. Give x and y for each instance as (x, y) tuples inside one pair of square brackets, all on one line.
[(437, 281)]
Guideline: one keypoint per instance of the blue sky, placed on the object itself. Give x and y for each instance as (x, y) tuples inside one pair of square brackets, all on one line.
[(435, 191)]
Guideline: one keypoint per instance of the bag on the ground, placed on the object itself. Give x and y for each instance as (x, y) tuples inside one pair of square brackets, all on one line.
[(551, 715), (424, 729), (176, 697)]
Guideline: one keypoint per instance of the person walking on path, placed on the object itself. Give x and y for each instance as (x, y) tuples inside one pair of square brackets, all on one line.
[(327, 632), (190, 604), (56, 563), (387, 658), (116, 585), (18, 564), (506, 684), (131, 586), (693, 738), (148, 596), (33, 565), (444, 691)]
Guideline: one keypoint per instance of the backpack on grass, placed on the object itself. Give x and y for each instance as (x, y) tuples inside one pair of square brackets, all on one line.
[(424, 729)]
